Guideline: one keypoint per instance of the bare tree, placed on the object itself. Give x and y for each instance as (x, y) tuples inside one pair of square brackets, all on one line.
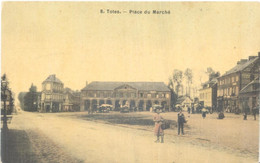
[(211, 73), (188, 76), (177, 80)]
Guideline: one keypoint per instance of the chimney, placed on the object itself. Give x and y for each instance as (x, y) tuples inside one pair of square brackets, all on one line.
[(258, 54), (238, 62), (251, 57), (242, 61), (86, 83)]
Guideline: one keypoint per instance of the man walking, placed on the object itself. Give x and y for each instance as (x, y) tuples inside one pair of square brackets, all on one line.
[(181, 121), (246, 110), (255, 111)]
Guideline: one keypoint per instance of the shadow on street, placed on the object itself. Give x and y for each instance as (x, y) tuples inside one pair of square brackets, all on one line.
[(16, 147)]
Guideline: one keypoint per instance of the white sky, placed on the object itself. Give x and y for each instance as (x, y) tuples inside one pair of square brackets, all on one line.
[(78, 44)]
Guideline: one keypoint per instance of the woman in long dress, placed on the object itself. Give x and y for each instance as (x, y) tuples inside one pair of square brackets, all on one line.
[(158, 131)]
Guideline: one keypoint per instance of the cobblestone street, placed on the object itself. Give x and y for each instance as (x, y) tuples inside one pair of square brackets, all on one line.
[(79, 137)]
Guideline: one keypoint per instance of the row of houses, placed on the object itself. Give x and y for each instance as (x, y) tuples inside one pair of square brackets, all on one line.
[(141, 95), (235, 89)]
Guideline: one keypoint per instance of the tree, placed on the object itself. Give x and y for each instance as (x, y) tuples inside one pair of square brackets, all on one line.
[(189, 76), (6, 95), (177, 80), (212, 74), (173, 94), (21, 99), (30, 99)]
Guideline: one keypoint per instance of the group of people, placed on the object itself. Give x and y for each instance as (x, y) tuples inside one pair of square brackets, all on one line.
[(158, 130), (255, 111)]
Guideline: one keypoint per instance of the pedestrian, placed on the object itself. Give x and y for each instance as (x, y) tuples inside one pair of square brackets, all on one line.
[(181, 121), (255, 110), (203, 114), (158, 131), (246, 110), (204, 111), (192, 110)]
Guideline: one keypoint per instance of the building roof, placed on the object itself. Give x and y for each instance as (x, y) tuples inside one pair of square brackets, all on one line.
[(182, 98), (71, 92), (210, 83), (53, 78), (143, 86), (241, 65)]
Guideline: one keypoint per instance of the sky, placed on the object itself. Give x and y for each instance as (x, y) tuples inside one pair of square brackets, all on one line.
[(78, 43)]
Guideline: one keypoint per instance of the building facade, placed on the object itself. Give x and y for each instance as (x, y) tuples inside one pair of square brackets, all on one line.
[(141, 95), (184, 102), (208, 94), (71, 100), (230, 84), (52, 96), (250, 94)]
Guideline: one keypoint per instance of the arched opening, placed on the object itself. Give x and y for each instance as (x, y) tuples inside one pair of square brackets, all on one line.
[(87, 105), (48, 108), (55, 106), (94, 105), (156, 102), (101, 102), (117, 104), (141, 105), (109, 102), (148, 105), (164, 105), (124, 102), (132, 104)]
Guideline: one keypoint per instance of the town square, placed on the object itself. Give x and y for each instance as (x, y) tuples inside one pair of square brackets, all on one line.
[(83, 84)]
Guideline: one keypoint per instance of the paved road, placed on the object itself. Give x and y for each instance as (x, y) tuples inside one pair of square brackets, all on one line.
[(98, 142)]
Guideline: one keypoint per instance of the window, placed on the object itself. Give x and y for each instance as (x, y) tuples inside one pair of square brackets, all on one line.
[(90, 94), (48, 86), (141, 94), (48, 97), (43, 96)]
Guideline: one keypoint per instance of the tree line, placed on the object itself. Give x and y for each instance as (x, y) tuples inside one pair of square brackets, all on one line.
[(178, 78), (29, 100)]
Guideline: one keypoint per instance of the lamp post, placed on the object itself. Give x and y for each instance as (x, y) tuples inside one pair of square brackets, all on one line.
[(4, 98)]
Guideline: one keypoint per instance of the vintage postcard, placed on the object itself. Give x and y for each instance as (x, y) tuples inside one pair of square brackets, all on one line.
[(130, 82)]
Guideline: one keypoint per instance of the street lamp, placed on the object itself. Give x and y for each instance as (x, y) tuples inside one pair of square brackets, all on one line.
[(4, 98)]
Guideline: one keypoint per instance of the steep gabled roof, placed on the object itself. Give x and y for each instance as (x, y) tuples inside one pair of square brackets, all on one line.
[(52, 78), (210, 83), (241, 66), (182, 98), (143, 86)]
